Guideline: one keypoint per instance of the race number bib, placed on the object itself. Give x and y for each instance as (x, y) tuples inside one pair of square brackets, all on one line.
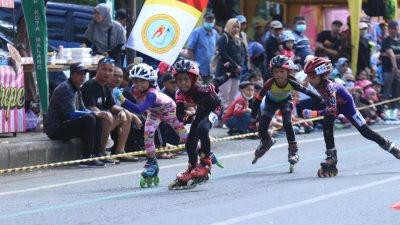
[(321, 69), (359, 118), (213, 118)]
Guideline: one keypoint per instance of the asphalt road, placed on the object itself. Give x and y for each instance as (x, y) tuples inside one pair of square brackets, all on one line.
[(241, 193)]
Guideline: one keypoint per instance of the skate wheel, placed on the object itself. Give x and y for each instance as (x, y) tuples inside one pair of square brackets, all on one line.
[(254, 160), (142, 183), (171, 185), (320, 172), (156, 181), (291, 168), (190, 184), (149, 181), (335, 172)]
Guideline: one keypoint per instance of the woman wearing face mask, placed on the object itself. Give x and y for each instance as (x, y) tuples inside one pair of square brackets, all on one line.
[(364, 50), (301, 43)]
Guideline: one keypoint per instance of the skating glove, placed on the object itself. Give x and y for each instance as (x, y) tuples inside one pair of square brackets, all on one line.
[(118, 93), (307, 113)]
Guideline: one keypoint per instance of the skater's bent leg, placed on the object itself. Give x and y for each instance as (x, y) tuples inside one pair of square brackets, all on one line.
[(203, 131), (150, 127), (191, 143), (287, 124), (178, 127), (265, 120)]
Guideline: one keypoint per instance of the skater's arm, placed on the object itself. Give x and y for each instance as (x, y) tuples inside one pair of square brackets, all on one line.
[(298, 87), (330, 105), (139, 108)]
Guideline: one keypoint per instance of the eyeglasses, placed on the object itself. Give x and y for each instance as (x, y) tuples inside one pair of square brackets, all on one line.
[(107, 60)]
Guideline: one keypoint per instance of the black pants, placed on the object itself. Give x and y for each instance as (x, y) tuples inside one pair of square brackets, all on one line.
[(86, 127), (199, 130), (268, 113), (364, 130)]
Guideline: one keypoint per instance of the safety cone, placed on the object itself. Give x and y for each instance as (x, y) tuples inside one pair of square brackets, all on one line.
[(396, 206)]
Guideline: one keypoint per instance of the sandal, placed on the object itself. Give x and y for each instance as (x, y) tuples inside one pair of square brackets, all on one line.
[(167, 155)]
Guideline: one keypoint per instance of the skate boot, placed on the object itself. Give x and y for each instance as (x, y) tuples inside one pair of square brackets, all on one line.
[(181, 181), (262, 148), (328, 166), (391, 148), (149, 174), (293, 156)]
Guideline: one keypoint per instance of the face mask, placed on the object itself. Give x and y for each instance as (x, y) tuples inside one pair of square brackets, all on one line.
[(363, 32), (300, 28), (208, 26), (247, 97)]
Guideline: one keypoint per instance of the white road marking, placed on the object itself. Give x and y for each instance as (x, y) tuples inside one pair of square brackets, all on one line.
[(309, 201), (166, 167)]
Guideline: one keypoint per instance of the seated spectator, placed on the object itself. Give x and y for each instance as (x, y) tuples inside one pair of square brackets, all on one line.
[(67, 117), (97, 97), (342, 66), (257, 56), (237, 116)]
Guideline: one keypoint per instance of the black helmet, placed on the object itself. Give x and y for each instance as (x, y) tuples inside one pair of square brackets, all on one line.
[(281, 61), (185, 66)]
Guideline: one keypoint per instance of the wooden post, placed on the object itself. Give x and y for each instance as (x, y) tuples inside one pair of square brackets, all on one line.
[(131, 17)]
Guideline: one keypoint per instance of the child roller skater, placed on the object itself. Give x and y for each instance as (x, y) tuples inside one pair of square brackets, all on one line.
[(209, 106), (278, 95), (159, 106), (338, 101)]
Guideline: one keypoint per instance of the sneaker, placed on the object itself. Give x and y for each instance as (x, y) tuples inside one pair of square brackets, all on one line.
[(107, 161), (92, 164)]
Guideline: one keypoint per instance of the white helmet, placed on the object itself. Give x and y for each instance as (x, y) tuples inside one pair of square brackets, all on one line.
[(143, 71), (287, 36)]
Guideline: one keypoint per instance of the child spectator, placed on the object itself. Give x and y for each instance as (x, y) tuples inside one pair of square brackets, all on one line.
[(237, 116), (287, 44)]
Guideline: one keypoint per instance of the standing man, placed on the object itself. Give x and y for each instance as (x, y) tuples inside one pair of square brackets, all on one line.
[(67, 118), (301, 43), (98, 98), (391, 63), (243, 36), (328, 41), (273, 45), (202, 45)]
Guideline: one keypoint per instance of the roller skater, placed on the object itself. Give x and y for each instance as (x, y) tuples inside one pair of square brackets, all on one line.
[(338, 101), (159, 107), (278, 95), (208, 105)]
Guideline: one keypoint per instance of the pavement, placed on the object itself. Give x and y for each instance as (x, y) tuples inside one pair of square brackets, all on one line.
[(35, 148)]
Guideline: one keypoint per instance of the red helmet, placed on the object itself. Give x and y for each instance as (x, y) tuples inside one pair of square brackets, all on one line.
[(281, 61), (318, 65)]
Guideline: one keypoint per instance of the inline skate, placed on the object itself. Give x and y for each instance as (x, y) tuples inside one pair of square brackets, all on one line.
[(194, 175), (391, 148), (263, 147), (293, 156), (328, 166), (150, 173)]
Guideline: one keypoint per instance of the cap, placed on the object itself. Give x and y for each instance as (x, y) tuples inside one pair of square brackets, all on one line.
[(241, 18), (393, 23), (209, 15), (77, 67), (337, 22), (167, 77), (363, 25), (276, 24)]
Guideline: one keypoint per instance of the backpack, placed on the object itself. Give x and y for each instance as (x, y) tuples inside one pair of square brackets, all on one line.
[(215, 59)]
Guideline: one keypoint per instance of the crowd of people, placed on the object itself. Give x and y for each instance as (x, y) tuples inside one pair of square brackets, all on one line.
[(224, 78)]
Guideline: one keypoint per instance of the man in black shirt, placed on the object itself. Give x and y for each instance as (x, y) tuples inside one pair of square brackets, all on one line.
[(328, 41), (391, 63), (273, 45), (97, 97)]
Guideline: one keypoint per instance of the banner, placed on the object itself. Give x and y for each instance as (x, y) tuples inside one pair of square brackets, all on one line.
[(163, 27), (12, 100), (35, 18), (7, 4), (355, 11)]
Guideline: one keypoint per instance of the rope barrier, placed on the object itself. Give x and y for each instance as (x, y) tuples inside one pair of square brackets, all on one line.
[(159, 150)]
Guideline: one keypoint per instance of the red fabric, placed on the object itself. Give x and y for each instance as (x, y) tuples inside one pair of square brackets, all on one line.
[(162, 68), (198, 4), (236, 108)]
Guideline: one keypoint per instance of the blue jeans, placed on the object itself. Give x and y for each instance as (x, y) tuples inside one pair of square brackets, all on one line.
[(239, 123)]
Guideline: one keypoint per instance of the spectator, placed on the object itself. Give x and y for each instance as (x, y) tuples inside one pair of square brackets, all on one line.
[(302, 43), (273, 45), (237, 116), (383, 32), (328, 42), (97, 97), (257, 56), (120, 17), (105, 35), (364, 50), (342, 67), (202, 45), (243, 36), (229, 45), (67, 117), (287, 45), (390, 63), (255, 78), (259, 32)]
